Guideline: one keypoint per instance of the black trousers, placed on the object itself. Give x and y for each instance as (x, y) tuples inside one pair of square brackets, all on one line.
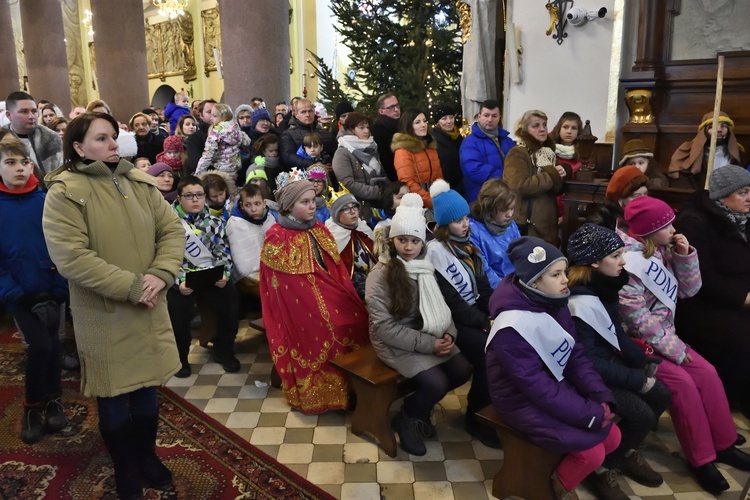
[(471, 342), (43, 356), (224, 302)]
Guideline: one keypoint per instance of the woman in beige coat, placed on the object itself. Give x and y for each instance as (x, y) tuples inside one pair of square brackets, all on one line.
[(119, 244)]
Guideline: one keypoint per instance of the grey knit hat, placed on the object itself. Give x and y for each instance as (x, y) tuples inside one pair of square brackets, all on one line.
[(591, 243), (338, 205), (726, 180)]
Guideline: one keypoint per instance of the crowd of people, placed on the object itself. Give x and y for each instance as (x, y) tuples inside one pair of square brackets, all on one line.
[(442, 251)]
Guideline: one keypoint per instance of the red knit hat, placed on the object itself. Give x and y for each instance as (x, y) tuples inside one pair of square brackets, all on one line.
[(646, 215), (174, 142), (622, 178)]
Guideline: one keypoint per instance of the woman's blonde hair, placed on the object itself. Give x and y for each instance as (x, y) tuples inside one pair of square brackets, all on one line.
[(98, 103), (137, 115), (523, 123)]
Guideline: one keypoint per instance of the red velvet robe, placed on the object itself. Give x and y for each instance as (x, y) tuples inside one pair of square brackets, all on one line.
[(311, 316)]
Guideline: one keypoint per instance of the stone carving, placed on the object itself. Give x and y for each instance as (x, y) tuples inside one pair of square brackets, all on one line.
[(639, 104), (74, 49), (15, 14), (211, 38), (169, 46), (705, 27), (92, 63)]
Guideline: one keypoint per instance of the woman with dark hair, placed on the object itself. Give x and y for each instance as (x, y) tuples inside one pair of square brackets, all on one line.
[(356, 162), (117, 242), (531, 169), (149, 144), (185, 127), (58, 125), (448, 138), (415, 154)]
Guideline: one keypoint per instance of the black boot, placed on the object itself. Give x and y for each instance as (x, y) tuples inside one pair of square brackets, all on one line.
[(481, 431), (155, 474), (409, 433), (32, 427), (710, 478), (226, 358), (121, 447), (734, 457), (54, 414)]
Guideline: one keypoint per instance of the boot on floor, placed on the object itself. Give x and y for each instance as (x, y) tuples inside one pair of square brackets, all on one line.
[(154, 473), (32, 425), (121, 447), (54, 414)]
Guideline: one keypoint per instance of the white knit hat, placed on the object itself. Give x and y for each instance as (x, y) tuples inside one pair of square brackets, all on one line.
[(409, 218)]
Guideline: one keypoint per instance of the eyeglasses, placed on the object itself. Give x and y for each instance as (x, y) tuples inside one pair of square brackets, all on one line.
[(317, 181), (350, 209), (392, 107), (193, 196)]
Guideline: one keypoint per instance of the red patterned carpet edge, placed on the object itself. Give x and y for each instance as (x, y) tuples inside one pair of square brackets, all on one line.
[(208, 460)]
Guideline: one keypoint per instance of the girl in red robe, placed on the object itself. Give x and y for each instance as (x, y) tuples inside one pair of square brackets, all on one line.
[(311, 310)]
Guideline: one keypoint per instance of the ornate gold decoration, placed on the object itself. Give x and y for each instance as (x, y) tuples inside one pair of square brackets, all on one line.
[(211, 38), (171, 8), (639, 104), (169, 46), (554, 17), (92, 64), (464, 16), (74, 50)]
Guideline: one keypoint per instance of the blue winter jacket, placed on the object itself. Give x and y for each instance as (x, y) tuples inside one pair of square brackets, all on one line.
[(25, 264), (173, 113), (494, 250), (481, 160)]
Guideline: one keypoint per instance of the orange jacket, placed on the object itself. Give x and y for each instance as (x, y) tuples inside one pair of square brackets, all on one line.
[(417, 164)]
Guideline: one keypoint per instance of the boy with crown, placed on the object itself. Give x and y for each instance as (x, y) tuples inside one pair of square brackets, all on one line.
[(311, 310)]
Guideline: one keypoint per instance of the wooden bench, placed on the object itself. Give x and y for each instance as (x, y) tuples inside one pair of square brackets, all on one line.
[(377, 386), (526, 468)]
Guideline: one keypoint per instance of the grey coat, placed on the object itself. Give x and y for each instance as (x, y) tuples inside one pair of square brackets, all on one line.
[(398, 342), (350, 172)]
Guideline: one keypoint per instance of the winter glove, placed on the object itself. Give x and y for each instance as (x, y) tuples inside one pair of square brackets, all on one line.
[(648, 385), (48, 312)]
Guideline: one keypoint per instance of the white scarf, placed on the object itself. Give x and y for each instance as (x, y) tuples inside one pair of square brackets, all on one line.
[(364, 150), (343, 235), (563, 151), (550, 340), (591, 311), (655, 276), (436, 316), (452, 270)]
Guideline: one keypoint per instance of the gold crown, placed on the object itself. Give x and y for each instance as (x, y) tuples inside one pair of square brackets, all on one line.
[(335, 195)]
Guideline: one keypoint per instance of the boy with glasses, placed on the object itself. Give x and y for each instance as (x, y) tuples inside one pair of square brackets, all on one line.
[(206, 246)]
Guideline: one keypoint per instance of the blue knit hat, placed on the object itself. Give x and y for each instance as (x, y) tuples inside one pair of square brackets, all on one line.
[(591, 243), (258, 115), (531, 257), (447, 204)]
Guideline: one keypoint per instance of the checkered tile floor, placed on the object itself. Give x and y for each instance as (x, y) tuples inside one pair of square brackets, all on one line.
[(323, 449)]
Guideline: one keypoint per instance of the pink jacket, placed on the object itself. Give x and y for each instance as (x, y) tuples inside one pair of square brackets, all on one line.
[(646, 317), (222, 150)]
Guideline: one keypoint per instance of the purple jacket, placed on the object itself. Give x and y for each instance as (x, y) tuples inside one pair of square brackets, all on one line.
[(555, 415)]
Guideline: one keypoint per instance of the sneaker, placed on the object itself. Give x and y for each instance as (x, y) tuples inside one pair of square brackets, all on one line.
[(637, 469), (54, 415), (70, 362), (560, 493), (710, 479), (410, 434), (32, 426), (604, 486)]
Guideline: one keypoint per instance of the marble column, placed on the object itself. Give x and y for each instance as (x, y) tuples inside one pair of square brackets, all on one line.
[(120, 46), (9, 74), (255, 55), (44, 46)]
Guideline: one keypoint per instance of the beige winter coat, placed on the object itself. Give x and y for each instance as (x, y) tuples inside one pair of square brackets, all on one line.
[(104, 231)]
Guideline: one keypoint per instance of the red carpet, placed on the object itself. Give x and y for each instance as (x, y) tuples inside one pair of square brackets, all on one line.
[(208, 461)]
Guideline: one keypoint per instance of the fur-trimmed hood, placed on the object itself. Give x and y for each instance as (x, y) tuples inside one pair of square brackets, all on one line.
[(531, 144), (411, 143)]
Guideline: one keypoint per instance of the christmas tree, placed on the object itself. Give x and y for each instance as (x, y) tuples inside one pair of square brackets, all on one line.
[(409, 47)]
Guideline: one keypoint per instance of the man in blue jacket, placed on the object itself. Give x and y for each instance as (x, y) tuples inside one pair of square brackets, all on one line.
[(483, 152)]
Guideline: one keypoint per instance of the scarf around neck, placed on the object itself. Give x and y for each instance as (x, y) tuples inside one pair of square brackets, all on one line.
[(436, 316), (566, 152), (496, 229), (737, 218), (607, 288), (290, 222), (364, 150)]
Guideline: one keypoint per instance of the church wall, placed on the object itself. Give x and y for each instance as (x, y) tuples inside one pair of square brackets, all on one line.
[(573, 76)]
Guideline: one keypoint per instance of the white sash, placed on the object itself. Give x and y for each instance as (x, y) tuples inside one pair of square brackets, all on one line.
[(195, 251), (451, 269), (591, 311), (655, 276), (550, 340)]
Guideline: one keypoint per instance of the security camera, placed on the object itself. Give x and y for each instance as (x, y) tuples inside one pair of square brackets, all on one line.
[(577, 16)]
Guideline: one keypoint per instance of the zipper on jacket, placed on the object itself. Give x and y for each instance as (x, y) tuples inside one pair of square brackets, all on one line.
[(119, 188)]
